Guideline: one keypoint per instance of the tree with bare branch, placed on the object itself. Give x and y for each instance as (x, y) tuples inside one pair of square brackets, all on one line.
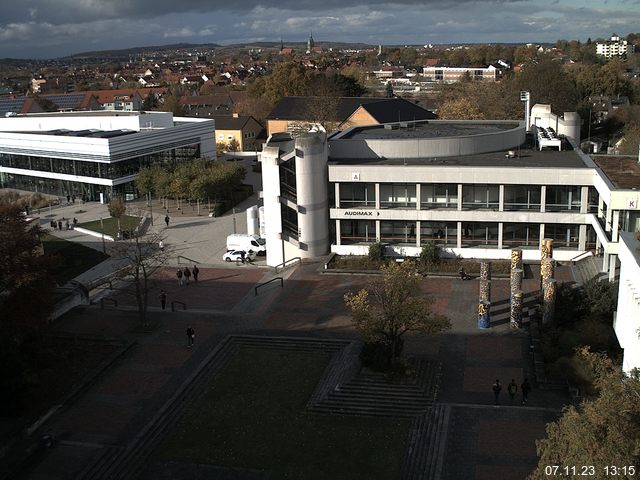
[(393, 306)]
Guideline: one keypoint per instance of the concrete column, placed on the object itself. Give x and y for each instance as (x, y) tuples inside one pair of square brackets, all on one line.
[(615, 225), (547, 269), (337, 194), (613, 263), (459, 199), (418, 232), (459, 239), (485, 291), (584, 200), (500, 226), (600, 207), (607, 223), (541, 235), (501, 199), (516, 258), (377, 190), (605, 262), (418, 196), (582, 238), (338, 233), (377, 230), (543, 200), (515, 317)]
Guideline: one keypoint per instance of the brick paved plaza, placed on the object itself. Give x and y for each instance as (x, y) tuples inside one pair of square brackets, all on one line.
[(481, 441)]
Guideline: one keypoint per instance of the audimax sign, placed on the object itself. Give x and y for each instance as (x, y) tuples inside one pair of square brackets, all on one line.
[(361, 213)]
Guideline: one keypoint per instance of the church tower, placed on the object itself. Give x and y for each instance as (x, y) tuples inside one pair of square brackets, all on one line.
[(310, 43)]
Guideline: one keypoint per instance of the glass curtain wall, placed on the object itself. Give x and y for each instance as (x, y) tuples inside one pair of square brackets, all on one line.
[(444, 234), (564, 235), (398, 232), (480, 197), (479, 234), (562, 198), (520, 235), (357, 231), (397, 195), (521, 197), (357, 195), (435, 195)]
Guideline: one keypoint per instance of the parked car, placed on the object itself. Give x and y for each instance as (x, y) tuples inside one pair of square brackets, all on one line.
[(236, 256)]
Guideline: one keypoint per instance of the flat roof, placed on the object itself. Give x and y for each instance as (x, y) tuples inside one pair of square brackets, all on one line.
[(91, 133), (624, 172), (427, 129), (524, 158)]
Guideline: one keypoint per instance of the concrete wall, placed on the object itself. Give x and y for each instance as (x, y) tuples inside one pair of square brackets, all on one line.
[(428, 147), (103, 120), (627, 317)]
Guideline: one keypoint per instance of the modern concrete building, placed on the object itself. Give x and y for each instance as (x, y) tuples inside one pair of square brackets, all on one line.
[(626, 322), (614, 47), (95, 154), (456, 74), (476, 188)]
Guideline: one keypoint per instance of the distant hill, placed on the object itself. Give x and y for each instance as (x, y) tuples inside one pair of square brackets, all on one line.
[(126, 52), (139, 50)]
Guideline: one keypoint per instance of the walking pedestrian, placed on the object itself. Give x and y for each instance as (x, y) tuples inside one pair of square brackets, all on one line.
[(497, 388), (163, 298), (60, 225), (66, 224), (195, 270), (512, 388), (68, 199), (161, 245), (191, 334), (75, 222), (179, 275), (242, 255), (166, 220), (73, 199), (525, 388), (187, 275)]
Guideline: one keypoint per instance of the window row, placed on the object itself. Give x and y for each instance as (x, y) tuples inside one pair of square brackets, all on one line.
[(111, 170), (472, 234), (445, 195)]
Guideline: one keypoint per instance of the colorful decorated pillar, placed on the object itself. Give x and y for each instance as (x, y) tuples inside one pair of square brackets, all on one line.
[(483, 315), (516, 309), (549, 300)]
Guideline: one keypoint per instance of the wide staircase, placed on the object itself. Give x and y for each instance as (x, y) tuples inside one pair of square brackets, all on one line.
[(587, 268), (372, 394)]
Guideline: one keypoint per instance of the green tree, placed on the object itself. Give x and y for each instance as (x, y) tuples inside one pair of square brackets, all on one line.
[(117, 208), (603, 430), (376, 252), (550, 84), (150, 102), (388, 90), (459, 109), (393, 306), (172, 104)]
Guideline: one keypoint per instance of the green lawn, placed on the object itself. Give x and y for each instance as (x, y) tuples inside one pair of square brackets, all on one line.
[(252, 415), (127, 222), (74, 257)]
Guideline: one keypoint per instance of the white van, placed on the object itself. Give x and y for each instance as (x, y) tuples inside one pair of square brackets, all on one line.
[(242, 241)]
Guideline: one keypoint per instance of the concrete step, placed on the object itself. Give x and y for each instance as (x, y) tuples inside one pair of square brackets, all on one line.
[(427, 441)]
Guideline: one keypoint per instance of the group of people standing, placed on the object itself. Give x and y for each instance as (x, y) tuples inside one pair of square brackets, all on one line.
[(63, 224), (512, 389), (184, 275)]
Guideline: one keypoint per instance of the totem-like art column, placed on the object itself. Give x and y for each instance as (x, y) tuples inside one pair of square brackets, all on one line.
[(484, 303), (515, 318), (517, 274), (549, 290), (483, 315)]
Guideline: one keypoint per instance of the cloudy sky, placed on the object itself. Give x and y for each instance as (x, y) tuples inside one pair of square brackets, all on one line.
[(52, 28)]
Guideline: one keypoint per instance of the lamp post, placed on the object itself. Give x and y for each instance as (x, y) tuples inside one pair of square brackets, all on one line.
[(104, 248)]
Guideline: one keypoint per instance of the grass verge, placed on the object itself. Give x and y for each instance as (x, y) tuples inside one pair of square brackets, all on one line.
[(109, 225), (253, 415), (74, 257)]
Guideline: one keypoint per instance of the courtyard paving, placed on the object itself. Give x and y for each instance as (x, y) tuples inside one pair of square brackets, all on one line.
[(482, 441)]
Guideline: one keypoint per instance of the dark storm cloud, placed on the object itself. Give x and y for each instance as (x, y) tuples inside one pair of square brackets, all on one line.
[(72, 11)]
